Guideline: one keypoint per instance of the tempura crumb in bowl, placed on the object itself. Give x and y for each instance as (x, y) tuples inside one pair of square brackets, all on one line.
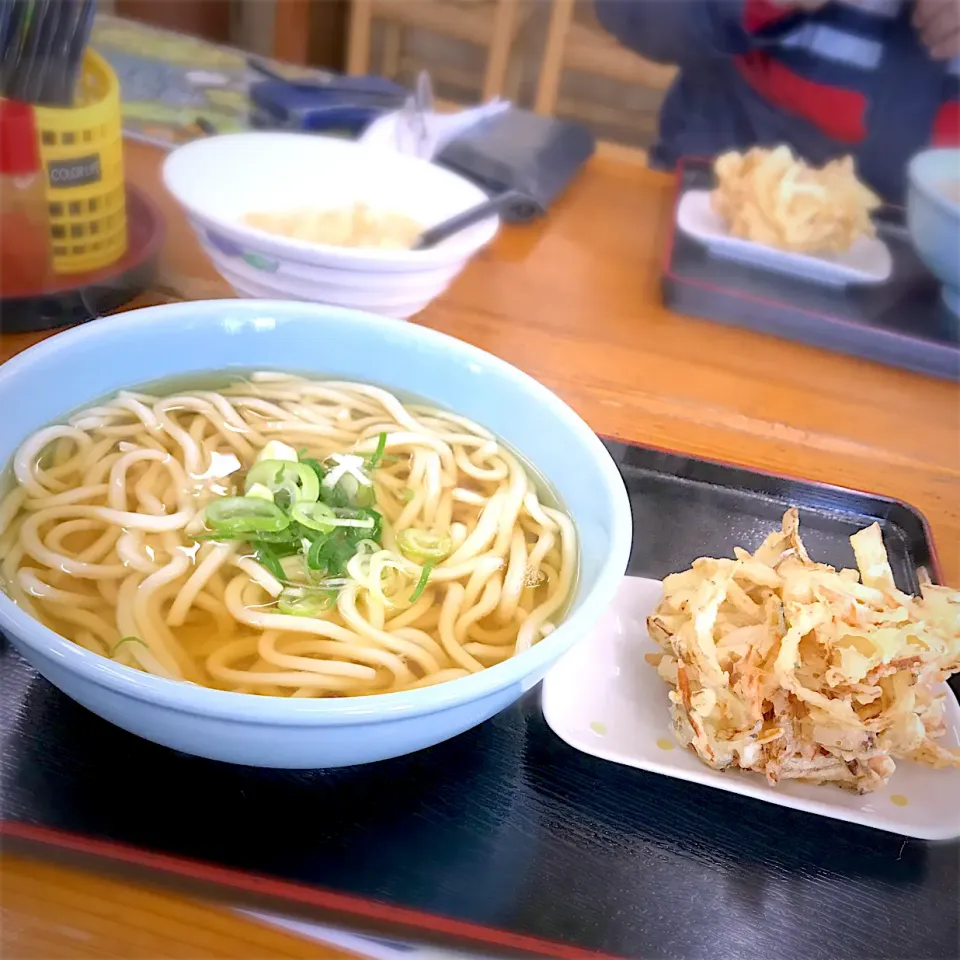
[(486, 400), (325, 220)]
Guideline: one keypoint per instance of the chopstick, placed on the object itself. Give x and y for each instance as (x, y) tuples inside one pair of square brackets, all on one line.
[(42, 43), (18, 22), (442, 231), (78, 45), (6, 25), (32, 28), (43, 28)]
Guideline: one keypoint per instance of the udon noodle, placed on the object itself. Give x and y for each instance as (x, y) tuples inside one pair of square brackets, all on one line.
[(284, 537)]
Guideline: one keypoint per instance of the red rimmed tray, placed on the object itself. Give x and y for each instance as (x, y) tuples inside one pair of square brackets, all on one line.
[(902, 322), (75, 298)]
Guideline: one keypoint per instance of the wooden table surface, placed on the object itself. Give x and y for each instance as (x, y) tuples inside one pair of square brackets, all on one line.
[(575, 302)]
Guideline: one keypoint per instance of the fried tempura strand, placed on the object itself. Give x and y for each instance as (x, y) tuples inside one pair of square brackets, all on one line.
[(795, 670), (771, 197)]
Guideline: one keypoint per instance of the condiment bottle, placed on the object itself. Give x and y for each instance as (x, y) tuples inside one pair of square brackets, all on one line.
[(25, 256)]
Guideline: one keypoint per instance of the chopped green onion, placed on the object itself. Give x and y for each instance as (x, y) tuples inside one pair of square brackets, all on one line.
[(331, 554), (315, 555), (407, 494), (281, 544), (315, 466), (268, 559), (423, 545), (347, 492), (346, 484), (234, 517), (315, 516), (277, 450), (344, 463), (113, 652), (259, 490), (374, 461), (359, 524), (422, 582), (294, 568), (363, 518), (335, 555), (301, 601), (297, 480)]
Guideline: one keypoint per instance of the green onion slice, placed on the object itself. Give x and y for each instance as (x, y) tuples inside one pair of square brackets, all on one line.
[(360, 523), (363, 518), (315, 466), (374, 461), (315, 516), (295, 568), (315, 555), (234, 518), (348, 492), (306, 601), (298, 480), (278, 450), (285, 541), (267, 557), (422, 545), (259, 490), (332, 553), (113, 652), (422, 582)]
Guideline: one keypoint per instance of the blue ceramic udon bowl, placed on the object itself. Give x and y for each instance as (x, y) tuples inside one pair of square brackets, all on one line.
[(86, 363)]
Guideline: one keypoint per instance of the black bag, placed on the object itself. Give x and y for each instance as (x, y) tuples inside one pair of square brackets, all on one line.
[(518, 150)]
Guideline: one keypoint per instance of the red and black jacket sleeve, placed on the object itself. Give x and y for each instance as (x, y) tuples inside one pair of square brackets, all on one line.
[(689, 31), (783, 52), (678, 31)]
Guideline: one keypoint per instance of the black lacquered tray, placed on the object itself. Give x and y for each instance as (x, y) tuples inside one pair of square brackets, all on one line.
[(505, 837), (902, 322)]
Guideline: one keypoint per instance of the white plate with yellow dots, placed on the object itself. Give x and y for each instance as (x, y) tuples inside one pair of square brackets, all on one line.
[(604, 699)]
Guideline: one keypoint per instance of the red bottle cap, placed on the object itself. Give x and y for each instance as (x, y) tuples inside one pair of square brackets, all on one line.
[(19, 149)]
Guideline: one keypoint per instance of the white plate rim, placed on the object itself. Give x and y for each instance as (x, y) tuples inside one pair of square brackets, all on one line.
[(556, 705), (762, 256)]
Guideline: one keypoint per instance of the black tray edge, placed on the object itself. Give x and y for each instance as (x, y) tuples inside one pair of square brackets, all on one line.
[(904, 514)]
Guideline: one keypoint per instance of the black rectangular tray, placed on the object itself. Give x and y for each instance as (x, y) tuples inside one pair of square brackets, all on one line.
[(901, 323), (505, 837)]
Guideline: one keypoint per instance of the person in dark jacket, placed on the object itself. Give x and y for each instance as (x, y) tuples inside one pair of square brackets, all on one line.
[(878, 79)]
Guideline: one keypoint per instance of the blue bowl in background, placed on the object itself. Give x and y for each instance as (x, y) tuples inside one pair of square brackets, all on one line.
[(81, 365), (933, 216)]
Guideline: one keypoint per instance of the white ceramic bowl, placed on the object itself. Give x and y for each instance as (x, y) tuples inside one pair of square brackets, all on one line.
[(933, 216), (398, 296), (82, 364), (219, 179)]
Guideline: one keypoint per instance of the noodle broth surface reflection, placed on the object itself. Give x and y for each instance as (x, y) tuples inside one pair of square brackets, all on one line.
[(284, 537)]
